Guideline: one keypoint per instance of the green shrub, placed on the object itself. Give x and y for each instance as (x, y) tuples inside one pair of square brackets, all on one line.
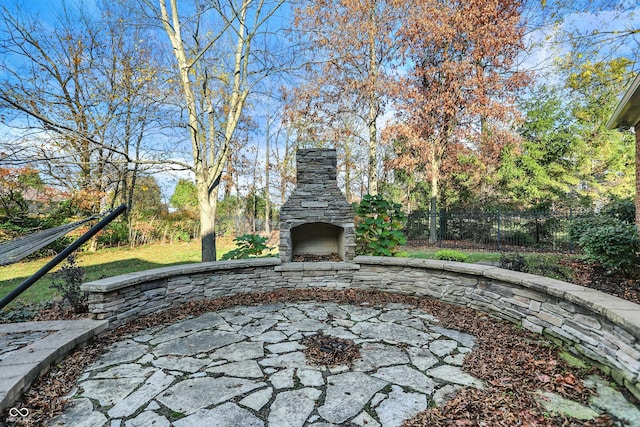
[(548, 266), (581, 225), (114, 234), (378, 226), (248, 245), (451, 255), (622, 209), (521, 238), (614, 245), (67, 281), (180, 236)]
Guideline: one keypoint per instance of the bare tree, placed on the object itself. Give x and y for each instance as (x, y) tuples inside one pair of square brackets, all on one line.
[(218, 64), (352, 43), (76, 93)]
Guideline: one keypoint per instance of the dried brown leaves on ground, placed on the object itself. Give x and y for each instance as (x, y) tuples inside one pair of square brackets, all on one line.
[(327, 350), (622, 285), (512, 362), (316, 258)]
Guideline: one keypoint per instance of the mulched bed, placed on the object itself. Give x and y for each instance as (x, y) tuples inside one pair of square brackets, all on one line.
[(511, 361), (626, 286)]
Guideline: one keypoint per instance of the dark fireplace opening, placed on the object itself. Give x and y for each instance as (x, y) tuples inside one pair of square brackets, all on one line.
[(318, 239)]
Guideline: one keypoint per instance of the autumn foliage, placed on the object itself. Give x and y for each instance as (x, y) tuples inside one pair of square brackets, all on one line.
[(457, 97)]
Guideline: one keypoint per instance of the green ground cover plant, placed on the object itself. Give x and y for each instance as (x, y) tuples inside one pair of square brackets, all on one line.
[(451, 255), (472, 257), (538, 264)]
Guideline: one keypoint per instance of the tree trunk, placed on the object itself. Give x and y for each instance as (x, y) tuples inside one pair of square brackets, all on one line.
[(373, 106), (433, 231), (267, 205), (637, 129), (208, 203), (207, 236), (347, 179), (373, 148)]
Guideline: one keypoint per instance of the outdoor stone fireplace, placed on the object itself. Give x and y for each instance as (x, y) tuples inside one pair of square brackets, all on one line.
[(317, 220)]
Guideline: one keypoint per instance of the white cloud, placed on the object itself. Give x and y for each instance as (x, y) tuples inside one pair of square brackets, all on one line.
[(547, 44)]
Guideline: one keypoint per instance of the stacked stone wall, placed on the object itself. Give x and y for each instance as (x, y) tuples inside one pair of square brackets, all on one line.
[(596, 326)]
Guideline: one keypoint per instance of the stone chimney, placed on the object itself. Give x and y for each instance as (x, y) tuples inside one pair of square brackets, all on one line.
[(317, 220)]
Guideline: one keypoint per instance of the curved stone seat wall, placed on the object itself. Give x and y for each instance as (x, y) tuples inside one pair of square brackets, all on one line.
[(601, 328)]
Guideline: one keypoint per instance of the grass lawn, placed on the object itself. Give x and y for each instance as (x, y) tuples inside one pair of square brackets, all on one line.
[(473, 257), (116, 261), (100, 264)]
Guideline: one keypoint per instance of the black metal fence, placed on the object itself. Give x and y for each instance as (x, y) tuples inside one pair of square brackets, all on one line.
[(495, 231)]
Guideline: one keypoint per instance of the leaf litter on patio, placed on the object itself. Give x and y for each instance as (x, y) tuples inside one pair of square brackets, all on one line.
[(513, 363)]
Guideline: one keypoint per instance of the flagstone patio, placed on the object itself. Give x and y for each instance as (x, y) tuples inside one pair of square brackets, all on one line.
[(246, 366)]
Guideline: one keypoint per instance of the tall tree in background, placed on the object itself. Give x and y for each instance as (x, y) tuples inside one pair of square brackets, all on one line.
[(607, 156), (216, 79), (604, 30), (184, 197), (460, 88), (77, 93), (543, 170), (352, 41)]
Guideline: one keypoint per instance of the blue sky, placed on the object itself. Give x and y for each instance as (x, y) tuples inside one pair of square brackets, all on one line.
[(540, 56)]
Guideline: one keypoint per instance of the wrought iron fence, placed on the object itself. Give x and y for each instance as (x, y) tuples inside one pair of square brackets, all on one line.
[(495, 231)]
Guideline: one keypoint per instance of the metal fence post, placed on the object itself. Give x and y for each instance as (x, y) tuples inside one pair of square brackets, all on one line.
[(498, 230), (441, 228), (569, 230)]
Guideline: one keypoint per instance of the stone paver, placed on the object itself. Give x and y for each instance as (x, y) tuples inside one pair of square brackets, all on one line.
[(557, 404), (190, 395), (292, 408), (257, 400), (347, 394), (80, 413), (30, 348), (150, 389), (246, 366), (399, 406), (225, 415)]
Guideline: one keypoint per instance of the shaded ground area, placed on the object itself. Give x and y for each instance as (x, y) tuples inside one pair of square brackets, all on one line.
[(622, 285), (514, 365)]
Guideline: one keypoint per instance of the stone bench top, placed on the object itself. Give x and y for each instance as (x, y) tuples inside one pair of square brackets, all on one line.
[(19, 368), (111, 284), (618, 310)]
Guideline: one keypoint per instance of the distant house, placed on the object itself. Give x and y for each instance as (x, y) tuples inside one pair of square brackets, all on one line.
[(43, 200), (625, 116)]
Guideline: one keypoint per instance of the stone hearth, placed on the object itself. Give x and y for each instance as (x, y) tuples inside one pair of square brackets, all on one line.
[(317, 219)]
